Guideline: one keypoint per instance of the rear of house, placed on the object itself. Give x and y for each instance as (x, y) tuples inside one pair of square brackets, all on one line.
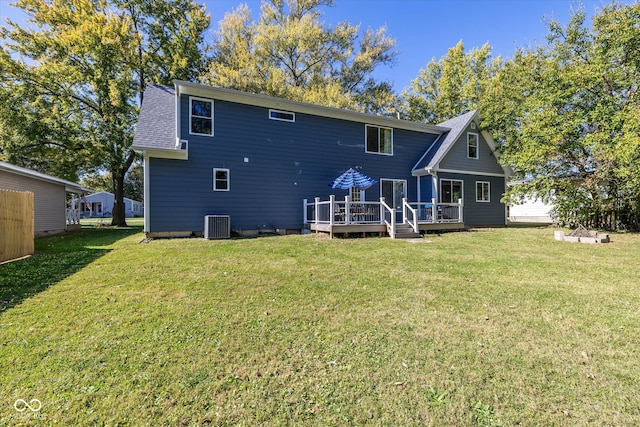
[(214, 151)]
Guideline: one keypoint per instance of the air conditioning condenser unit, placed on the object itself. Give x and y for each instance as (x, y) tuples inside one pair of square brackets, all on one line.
[(217, 227)]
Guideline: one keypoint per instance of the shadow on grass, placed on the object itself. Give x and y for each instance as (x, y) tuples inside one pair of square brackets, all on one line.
[(55, 258)]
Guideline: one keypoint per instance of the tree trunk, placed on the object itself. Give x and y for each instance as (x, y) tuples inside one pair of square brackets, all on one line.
[(118, 214)]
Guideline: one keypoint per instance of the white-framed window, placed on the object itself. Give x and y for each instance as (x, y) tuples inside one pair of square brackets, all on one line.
[(473, 125), (378, 140), (220, 179), (450, 190), (200, 116), (472, 145), (483, 191), (285, 116)]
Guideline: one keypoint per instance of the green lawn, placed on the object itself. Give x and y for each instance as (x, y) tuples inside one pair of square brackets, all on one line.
[(490, 327)]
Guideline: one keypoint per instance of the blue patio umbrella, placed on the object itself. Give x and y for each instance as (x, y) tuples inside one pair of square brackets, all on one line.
[(352, 178)]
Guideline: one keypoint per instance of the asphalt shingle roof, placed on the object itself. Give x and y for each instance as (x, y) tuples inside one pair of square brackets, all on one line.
[(157, 121), (441, 146)]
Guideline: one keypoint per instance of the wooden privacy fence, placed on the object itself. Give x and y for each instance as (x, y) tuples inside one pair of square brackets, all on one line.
[(16, 224)]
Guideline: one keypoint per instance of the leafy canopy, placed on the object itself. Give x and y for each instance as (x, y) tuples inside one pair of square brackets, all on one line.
[(73, 78), (567, 117), (290, 53), (450, 86)]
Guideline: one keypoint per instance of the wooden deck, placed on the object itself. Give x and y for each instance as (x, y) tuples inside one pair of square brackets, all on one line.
[(347, 217), (379, 228)]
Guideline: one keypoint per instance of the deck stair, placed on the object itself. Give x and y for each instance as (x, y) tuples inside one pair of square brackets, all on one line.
[(403, 231)]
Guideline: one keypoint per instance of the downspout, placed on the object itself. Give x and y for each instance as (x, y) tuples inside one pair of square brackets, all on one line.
[(146, 199)]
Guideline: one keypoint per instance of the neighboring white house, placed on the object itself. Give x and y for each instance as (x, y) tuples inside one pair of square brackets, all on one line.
[(99, 205), (51, 214), (530, 210)]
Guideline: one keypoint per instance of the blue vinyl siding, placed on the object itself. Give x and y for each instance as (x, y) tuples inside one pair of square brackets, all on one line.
[(287, 162), (456, 158), (480, 213)]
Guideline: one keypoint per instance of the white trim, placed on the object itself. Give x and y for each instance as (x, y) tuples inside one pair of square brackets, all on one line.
[(379, 128), (472, 125), (470, 172), (165, 153), (228, 179), (209, 100), (259, 100), (488, 192), (146, 197), (477, 145), (453, 199), (293, 115)]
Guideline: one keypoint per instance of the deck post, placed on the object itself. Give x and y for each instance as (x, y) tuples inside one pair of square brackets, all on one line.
[(404, 210), (460, 217), (305, 220), (434, 211), (317, 209), (347, 209), (381, 210), (332, 213)]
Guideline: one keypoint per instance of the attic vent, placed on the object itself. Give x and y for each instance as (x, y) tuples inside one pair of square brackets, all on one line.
[(217, 227)]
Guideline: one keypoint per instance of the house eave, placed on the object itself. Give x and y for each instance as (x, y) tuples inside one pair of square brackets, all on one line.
[(162, 153), (259, 100)]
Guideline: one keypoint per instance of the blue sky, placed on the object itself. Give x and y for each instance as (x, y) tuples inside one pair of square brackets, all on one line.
[(426, 29)]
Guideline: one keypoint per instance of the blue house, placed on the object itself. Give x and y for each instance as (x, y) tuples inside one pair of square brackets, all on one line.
[(265, 164)]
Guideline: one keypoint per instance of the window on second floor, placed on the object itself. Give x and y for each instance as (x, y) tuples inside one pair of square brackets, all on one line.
[(379, 140), (201, 116), (472, 145)]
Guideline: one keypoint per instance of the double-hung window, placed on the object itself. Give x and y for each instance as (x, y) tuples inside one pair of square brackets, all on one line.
[(201, 116), (472, 145), (483, 191), (379, 140), (220, 179)]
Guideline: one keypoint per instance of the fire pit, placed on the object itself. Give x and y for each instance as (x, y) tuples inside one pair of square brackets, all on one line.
[(582, 235)]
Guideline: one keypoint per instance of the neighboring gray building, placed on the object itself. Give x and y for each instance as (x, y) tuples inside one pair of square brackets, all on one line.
[(51, 214), (216, 151)]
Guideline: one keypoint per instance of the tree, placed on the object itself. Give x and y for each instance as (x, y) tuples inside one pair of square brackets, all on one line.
[(567, 118), (451, 86), (74, 78), (291, 54), (103, 181)]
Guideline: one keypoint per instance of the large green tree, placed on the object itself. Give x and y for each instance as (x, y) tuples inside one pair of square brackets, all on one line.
[(73, 78), (450, 86), (289, 52), (567, 116)]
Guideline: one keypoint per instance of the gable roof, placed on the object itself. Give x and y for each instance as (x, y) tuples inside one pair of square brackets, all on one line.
[(69, 186), (442, 145)]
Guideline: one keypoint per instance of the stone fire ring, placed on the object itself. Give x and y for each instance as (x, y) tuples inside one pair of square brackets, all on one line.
[(582, 236)]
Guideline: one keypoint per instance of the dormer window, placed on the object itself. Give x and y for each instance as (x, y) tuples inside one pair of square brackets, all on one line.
[(472, 145)]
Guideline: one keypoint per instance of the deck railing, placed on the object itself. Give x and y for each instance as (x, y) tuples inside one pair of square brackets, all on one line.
[(434, 212), (345, 212), (73, 216), (341, 212)]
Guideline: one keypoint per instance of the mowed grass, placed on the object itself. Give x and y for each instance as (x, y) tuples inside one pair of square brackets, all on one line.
[(494, 327)]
